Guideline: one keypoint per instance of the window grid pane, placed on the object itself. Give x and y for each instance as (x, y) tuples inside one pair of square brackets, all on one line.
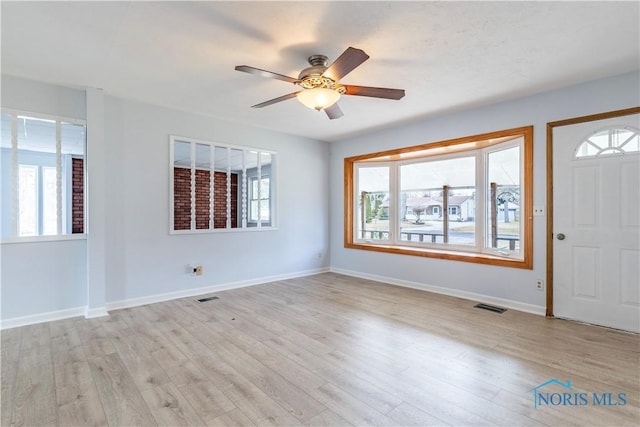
[(503, 225), (27, 200), (45, 170), (439, 198), (203, 181), (373, 203), (423, 200), (222, 187), (617, 141), (49, 201)]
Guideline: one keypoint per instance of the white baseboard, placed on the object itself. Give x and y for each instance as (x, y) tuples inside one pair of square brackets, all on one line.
[(42, 317), (151, 299), (134, 302), (514, 305), (90, 313)]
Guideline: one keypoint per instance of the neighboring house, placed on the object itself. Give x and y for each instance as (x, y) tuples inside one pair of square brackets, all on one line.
[(461, 208)]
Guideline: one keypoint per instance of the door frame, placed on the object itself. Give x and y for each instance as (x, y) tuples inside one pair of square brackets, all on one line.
[(550, 127)]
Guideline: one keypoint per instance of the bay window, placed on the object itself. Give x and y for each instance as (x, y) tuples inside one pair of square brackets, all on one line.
[(467, 199)]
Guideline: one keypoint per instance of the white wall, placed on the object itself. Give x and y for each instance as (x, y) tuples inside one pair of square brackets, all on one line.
[(141, 259), (516, 286), (36, 97), (42, 277)]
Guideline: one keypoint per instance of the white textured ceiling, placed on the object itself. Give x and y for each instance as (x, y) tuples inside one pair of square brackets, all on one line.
[(446, 55)]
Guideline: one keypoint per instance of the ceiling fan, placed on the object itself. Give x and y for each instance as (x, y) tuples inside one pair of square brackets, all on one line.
[(320, 83)]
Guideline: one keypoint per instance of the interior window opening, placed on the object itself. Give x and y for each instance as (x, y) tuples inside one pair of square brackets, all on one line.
[(42, 175), (218, 187)]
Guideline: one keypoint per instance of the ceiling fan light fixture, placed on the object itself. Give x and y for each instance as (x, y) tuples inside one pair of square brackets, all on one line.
[(321, 88), (318, 98)]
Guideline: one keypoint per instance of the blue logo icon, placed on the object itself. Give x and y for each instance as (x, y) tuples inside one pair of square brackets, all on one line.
[(568, 396)]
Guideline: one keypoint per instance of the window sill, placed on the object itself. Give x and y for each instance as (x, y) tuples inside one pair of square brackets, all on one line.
[(477, 258), (42, 239), (223, 230)]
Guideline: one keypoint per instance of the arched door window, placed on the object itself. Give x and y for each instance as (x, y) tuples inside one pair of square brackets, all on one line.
[(608, 142)]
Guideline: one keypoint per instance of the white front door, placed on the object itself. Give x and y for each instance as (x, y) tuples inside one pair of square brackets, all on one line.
[(596, 222)]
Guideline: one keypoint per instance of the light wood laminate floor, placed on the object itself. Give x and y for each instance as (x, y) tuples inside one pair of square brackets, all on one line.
[(321, 350)]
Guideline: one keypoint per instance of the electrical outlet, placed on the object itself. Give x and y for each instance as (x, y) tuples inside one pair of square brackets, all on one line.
[(540, 285), (196, 270), (538, 211)]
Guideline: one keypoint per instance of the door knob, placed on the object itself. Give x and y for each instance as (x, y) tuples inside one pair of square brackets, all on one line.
[(560, 236)]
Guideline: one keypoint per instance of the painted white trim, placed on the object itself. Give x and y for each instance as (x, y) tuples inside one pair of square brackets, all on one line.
[(218, 143), (44, 116), (95, 204), (514, 305), (151, 299), (41, 317), (90, 313), (42, 239), (135, 302), (225, 230), (174, 139), (14, 175)]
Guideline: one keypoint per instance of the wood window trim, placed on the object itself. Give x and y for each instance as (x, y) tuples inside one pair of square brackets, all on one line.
[(448, 146)]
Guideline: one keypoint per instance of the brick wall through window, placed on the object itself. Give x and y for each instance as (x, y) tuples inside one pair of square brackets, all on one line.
[(77, 197), (182, 199)]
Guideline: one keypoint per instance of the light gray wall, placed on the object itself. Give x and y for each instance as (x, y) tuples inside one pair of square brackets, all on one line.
[(44, 276), (141, 258), (457, 277), (37, 97)]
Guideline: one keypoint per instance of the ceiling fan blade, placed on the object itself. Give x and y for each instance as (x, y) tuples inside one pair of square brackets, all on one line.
[(347, 62), (374, 92), (275, 100), (334, 111), (264, 73)]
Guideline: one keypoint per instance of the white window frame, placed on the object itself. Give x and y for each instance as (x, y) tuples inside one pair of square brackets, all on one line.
[(63, 230), (244, 224), (392, 212), (610, 150), (481, 157), (35, 210), (259, 199)]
